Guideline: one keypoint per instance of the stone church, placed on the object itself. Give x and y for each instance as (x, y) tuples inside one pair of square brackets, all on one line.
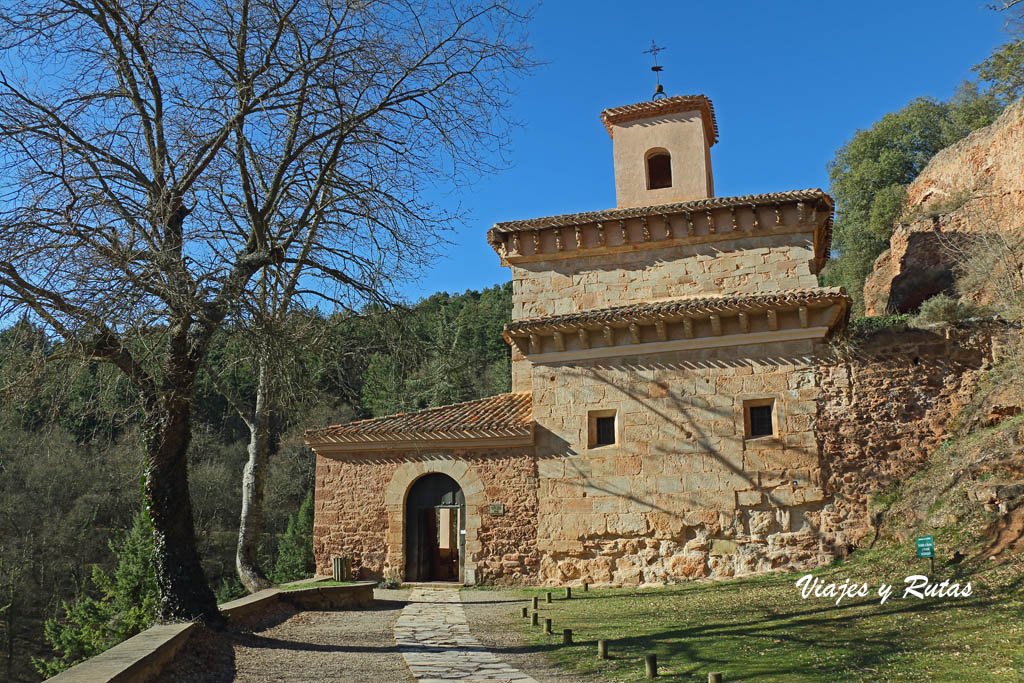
[(664, 390)]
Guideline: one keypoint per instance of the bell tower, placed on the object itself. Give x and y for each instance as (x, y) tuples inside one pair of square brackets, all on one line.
[(662, 150)]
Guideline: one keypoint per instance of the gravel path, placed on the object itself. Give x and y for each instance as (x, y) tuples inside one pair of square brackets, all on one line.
[(345, 645), (356, 646)]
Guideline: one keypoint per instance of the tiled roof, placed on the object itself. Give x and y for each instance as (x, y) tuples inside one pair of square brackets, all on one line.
[(678, 308), (506, 416), (666, 105), (568, 219)]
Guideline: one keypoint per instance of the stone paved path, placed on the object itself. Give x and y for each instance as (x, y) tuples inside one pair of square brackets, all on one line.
[(434, 638)]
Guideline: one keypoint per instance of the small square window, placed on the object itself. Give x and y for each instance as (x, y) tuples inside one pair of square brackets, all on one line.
[(759, 418), (602, 428)]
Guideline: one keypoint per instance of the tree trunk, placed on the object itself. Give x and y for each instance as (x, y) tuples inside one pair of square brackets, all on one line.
[(250, 526), (184, 591)]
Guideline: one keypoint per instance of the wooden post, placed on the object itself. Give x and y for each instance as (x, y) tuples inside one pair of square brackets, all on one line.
[(586, 586), (567, 636), (568, 592), (525, 612), (602, 649), (549, 597), (533, 621), (547, 626), (341, 568), (651, 666), (715, 677), (534, 602)]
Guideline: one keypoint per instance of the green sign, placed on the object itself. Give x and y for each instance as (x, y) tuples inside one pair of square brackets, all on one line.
[(925, 546)]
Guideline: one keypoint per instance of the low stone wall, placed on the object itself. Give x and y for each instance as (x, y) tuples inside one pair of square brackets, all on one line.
[(145, 656)]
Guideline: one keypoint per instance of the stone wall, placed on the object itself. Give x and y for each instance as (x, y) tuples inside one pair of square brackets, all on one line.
[(746, 266), (885, 405), (360, 501), (683, 493)]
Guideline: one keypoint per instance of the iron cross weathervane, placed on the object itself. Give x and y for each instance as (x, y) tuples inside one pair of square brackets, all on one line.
[(660, 90)]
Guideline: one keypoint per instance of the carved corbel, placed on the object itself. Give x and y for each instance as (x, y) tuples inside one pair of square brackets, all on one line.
[(778, 215), (559, 341), (558, 239), (668, 226), (634, 332), (584, 338), (711, 222), (757, 221), (732, 217), (534, 343), (579, 237), (803, 316), (744, 322), (688, 327), (647, 230), (600, 234), (609, 335), (689, 223), (624, 232), (773, 320), (801, 213), (536, 241), (661, 329), (716, 325), (517, 247)]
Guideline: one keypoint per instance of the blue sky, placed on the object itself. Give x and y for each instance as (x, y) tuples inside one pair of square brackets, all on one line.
[(790, 82)]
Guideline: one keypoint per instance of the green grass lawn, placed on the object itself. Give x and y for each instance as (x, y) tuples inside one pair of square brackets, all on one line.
[(315, 584), (760, 629)]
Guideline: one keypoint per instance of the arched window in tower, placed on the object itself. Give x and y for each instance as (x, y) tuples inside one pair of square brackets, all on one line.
[(659, 169)]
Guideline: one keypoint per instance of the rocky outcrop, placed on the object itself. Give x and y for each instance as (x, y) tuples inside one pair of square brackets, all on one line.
[(974, 186)]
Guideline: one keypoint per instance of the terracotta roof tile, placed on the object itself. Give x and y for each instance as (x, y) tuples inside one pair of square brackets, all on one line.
[(668, 105), (506, 416), (706, 305), (568, 219)]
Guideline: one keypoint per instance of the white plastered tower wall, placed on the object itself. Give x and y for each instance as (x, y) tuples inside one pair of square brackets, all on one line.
[(686, 136)]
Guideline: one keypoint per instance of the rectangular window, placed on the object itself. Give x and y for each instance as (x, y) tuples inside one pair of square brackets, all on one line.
[(605, 431), (759, 418), (602, 428)]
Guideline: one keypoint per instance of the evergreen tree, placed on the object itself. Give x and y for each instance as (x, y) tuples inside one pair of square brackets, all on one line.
[(295, 553), (127, 604)]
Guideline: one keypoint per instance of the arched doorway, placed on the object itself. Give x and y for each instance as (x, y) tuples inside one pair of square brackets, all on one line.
[(435, 529)]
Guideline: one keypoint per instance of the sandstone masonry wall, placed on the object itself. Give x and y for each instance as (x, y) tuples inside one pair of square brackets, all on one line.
[(745, 266), (683, 493), (360, 505)]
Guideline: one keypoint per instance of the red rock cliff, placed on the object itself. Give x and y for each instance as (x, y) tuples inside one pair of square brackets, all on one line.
[(976, 185)]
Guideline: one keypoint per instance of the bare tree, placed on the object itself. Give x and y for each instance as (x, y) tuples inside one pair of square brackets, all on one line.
[(157, 155)]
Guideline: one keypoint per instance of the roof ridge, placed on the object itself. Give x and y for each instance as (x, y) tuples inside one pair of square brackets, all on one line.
[(626, 212)]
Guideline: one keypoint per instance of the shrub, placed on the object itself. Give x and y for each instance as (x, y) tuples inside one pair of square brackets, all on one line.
[(943, 308), (865, 327)]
